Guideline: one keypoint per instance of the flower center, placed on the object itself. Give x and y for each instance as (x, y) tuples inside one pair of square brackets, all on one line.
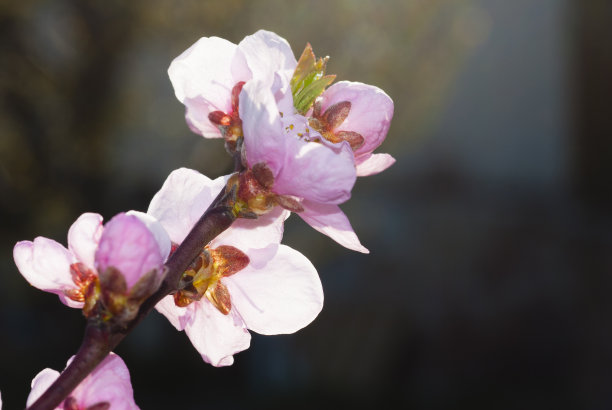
[(82, 277), (230, 123), (297, 126), (203, 277)]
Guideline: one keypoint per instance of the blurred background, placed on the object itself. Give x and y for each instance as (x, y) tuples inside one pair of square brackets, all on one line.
[(490, 270)]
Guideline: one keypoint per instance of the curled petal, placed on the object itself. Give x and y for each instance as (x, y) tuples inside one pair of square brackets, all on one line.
[(40, 384), (203, 77), (331, 221), (279, 292), (45, 264), (83, 237), (182, 200), (217, 337), (130, 247), (373, 164), (370, 114)]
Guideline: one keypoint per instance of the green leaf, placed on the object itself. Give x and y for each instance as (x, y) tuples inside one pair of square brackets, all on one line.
[(306, 97), (309, 80), (305, 66)]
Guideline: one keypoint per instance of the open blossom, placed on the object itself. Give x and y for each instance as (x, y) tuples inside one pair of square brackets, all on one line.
[(132, 244), (320, 176), (312, 142), (244, 279), (208, 76), (107, 387)]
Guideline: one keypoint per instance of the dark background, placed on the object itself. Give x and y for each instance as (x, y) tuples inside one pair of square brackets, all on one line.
[(491, 267)]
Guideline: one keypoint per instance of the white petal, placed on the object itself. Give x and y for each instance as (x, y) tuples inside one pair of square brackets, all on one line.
[(331, 221), (182, 199), (84, 236), (45, 264), (278, 292), (173, 313), (373, 164), (254, 233), (270, 58), (216, 336), (40, 384)]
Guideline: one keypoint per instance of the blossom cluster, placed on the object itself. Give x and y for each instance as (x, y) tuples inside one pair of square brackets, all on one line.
[(298, 143)]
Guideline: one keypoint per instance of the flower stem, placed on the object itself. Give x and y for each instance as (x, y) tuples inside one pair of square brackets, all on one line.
[(100, 338)]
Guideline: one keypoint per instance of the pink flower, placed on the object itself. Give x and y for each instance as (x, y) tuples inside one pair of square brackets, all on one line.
[(319, 175), (133, 243), (205, 75), (368, 114), (261, 285), (109, 384)]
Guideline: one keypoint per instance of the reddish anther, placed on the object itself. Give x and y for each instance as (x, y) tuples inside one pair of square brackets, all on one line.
[(219, 118)]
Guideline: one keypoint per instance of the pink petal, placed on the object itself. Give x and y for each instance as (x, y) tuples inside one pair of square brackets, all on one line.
[(203, 77), (279, 292), (129, 246), (370, 114), (373, 164), (45, 264), (40, 384), (109, 382), (173, 313), (158, 231), (216, 336), (264, 138), (317, 172), (331, 221), (83, 237), (268, 54), (254, 233), (182, 200)]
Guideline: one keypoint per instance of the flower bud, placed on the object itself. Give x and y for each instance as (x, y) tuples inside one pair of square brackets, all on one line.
[(134, 244)]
